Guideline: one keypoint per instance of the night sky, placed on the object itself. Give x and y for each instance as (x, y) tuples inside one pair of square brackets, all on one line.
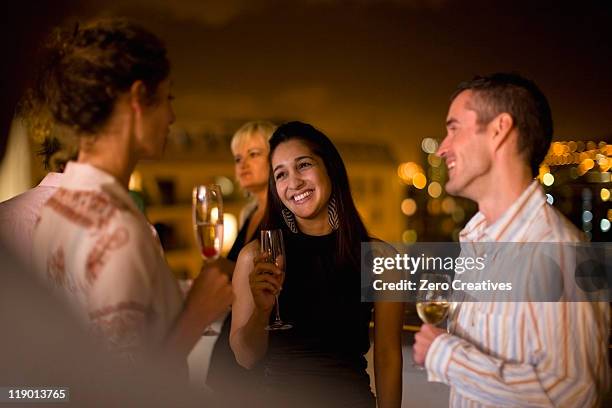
[(376, 70)]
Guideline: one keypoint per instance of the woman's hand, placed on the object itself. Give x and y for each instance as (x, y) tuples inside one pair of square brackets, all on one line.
[(255, 283), (265, 281)]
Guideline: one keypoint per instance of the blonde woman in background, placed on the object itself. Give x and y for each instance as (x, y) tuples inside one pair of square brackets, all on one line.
[(250, 149)]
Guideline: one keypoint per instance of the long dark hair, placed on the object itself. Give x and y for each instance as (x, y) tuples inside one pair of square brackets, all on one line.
[(351, 230)]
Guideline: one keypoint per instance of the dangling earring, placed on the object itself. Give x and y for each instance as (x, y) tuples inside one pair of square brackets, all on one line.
[(332, 214), (289, 220)]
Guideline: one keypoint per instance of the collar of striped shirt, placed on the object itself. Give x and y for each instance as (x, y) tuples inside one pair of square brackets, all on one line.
[(508, 227)]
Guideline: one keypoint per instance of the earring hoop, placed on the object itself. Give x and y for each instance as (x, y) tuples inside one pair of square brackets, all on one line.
[(289, 219)]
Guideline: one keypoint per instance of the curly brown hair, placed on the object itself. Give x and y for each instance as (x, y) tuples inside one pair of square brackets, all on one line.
[(85, 69)]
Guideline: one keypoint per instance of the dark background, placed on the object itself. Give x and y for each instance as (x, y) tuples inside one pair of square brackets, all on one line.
[(367, 70)]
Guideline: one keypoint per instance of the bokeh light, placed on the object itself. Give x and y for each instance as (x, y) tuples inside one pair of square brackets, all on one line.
[(448, 205), (434, 189), (409, 236), (434, 160), (135, 183), (548, 179), (429, 145), (557, 148), (585, 165), (604, 163), (434, 207), (544, 169), (550, 199), (407, 171), (409, 207), (419, 180)]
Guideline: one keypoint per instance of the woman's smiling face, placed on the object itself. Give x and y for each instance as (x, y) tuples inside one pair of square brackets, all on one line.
[(302, 182)]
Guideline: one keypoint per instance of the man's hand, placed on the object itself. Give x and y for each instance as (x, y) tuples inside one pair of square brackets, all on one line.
[(422, 342)]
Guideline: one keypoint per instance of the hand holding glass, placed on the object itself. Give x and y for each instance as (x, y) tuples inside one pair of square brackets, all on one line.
[(208, 225), (433, 300)]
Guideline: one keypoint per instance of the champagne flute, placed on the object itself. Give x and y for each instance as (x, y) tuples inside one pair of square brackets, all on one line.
[(273, 247), (207, 203), (433, 301)]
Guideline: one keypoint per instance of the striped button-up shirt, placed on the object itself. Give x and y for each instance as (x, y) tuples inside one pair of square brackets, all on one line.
[(523, 353)]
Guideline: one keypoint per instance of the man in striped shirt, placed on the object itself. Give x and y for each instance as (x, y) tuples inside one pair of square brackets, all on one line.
[(499, 128)]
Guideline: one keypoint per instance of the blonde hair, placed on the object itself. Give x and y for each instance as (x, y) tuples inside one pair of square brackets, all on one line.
[(249, 130)]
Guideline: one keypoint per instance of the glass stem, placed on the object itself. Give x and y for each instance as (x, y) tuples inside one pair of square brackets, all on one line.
[(278, 319)]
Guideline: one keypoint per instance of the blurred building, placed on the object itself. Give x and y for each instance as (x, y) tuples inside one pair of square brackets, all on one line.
[(376, 189)]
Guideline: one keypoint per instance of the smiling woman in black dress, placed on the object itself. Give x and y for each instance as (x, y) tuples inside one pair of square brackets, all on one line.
[(321, 360)]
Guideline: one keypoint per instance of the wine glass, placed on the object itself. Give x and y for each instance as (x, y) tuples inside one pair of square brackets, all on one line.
[(433, 300), (207, 203), (273, 247)]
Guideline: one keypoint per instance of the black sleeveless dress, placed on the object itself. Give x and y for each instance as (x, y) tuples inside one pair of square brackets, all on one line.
[(321, 360)]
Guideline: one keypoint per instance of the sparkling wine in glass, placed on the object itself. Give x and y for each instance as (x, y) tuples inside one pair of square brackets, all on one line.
[(210, 239), (207, 203), (433, 312), (273, 247), (433, 301)]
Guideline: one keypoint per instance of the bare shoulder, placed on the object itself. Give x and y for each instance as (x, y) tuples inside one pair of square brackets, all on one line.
[(248, 252), (244, 264)]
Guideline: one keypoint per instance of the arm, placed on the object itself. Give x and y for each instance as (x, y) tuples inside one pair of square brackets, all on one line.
[(209, 297), (388, 318), (565, 364), (122, 267), (254, 287)]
